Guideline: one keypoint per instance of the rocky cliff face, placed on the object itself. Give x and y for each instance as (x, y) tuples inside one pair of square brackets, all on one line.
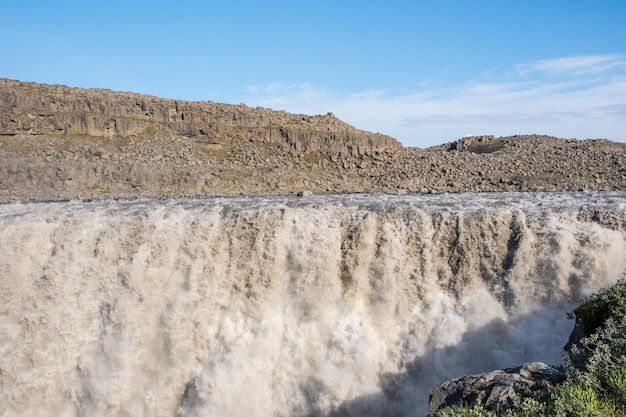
[(59, 142), (37, 109)]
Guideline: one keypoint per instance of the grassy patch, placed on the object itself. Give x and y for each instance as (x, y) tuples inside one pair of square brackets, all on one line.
[(315, 157), (596, 373)]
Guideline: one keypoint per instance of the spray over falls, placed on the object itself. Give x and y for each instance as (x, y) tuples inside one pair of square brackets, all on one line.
[(320, 306)]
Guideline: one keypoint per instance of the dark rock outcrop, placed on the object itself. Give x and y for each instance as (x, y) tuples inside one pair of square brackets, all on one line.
[(578, 333), (496, 390)]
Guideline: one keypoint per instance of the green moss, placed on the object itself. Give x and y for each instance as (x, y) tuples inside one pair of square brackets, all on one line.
[(594, 312)]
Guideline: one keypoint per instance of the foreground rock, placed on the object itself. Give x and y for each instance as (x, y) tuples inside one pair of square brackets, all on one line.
[(62, 142), (496, 390)]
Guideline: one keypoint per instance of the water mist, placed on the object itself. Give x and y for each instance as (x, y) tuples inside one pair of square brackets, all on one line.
[(320, 306)]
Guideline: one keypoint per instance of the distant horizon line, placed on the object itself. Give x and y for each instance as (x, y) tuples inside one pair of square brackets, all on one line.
[(138, 93)]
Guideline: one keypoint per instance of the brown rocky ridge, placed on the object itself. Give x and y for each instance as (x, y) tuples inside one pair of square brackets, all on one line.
[(63, 142)]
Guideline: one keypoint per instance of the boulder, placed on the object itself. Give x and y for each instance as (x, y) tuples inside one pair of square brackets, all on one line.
[(496, 390)]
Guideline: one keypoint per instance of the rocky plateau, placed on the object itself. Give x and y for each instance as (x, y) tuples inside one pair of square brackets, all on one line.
[(60, 142)]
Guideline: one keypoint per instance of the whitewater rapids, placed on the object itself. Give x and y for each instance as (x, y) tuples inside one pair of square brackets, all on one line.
[(316, 306)]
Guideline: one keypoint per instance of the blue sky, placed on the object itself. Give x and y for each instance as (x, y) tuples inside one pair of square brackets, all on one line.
[(425, 72)]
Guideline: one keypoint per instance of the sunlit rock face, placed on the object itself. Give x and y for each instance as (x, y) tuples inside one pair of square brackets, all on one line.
[(344, 305), (43, 109)]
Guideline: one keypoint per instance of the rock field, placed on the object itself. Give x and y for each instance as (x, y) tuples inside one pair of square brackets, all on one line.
[(59, 142)]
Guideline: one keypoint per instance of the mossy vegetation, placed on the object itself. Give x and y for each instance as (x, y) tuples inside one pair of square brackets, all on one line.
[(315, 157), (596, 371), (214, 150), (602, 306)]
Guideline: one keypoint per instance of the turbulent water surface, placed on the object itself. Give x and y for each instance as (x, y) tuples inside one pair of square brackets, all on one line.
[(320, 306)]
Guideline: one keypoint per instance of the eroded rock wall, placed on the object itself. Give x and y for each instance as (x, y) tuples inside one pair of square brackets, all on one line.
[(40, 109)]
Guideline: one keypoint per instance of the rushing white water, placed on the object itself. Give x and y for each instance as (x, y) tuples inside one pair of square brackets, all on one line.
[(329, 306)]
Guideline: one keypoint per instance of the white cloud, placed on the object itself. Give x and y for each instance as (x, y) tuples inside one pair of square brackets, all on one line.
[(582, 106), (577, 65), (276, 94)]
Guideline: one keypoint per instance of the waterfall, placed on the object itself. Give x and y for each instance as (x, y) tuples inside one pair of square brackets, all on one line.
[(315, 306)]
